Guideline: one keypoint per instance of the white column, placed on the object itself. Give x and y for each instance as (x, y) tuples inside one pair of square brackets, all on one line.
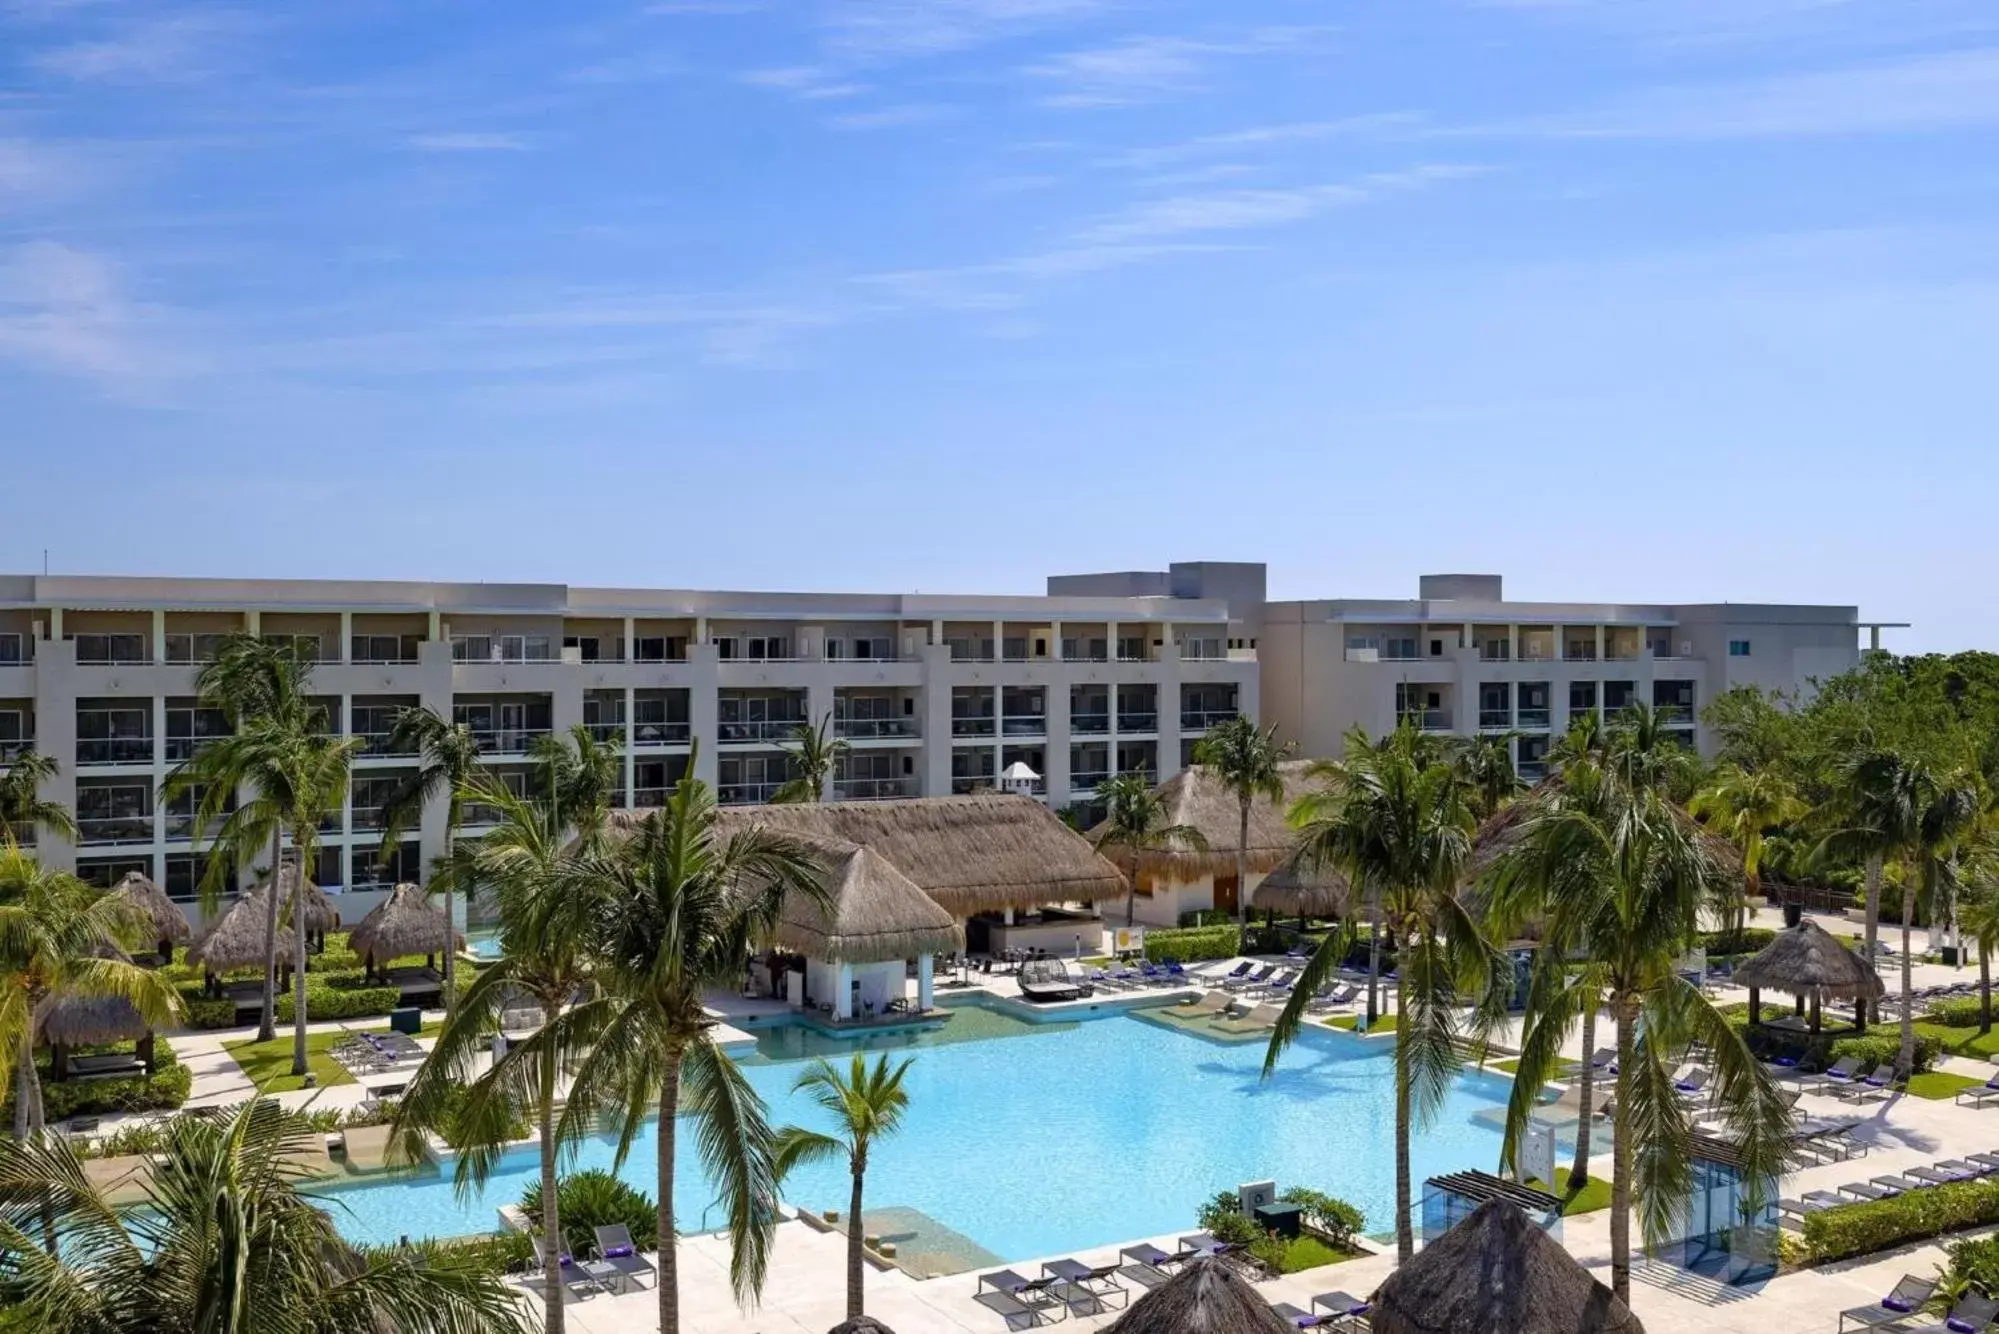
[(631, 714), (923, 981), (346, 637), (159, 635), (843, 992)]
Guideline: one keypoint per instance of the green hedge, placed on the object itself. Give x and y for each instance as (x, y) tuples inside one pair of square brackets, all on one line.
[(342, 996), (1749, 940), (1206, 917), (162, 1091), (1881, 1044), (1959, 1013), (1860, 1229), (1192, 946)]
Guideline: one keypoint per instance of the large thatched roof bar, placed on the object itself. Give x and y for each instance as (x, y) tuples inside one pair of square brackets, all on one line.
[(1196, 799), (1207, 1297), (877, 914)]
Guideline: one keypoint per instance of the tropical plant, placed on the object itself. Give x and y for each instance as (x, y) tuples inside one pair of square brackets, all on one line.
[(61, 939), (543, 963), (1877, 807), (1135, 824), (1978, 919), (675, 908), (225, 1244), (1618, 877), (1485, 766), (591, 1199), (447, 762), (1949, 805), (583, 776), (1647, 754), (1399, 828), (22, 807), (867, 1105), (815, 757), (1742, 807), (1245, 760)]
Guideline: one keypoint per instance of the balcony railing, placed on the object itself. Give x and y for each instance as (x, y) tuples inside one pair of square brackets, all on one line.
[(1429, 720), (650, 798), (747, 794), (1024, 725), (607, 732), (972, 783), (115, 750), (507, 740), (1200, 720), (872, 789), (1674, 715), (1495, 717), (370, 817), (1138, 720), (474, 814), (871, 729), (1613, 653), (767, 729), (1580, 653), (662, 734), (181, 827), (180, 748), (973, 726), (97, 831), (1533, 771), (1537, 653), (1533, 717), (1088, 782), (1494, 653), (14, 750), (377, 744), (1090, 724)]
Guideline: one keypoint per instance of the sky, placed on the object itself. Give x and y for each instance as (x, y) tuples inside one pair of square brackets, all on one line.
[(1639, 300)]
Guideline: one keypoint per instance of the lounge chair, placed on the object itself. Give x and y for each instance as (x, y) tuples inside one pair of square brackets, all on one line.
[(1973, 1312), (1876, 1085), (1296, 1318), (1019, 1314), (1693, 1085), (1869, 1190), (616, 1249), (1260, 1019), (1840, 1074), (1970, 1169), (1936, 1176), (1240, 970), (1341, 1305), (1281, 984), (1145, 1275), (1212, 1002), (1146, 1253), (1603, 1058), (1255, 979), (1817, 1201), (1984, 1093), (1907, 1299), (1987, 1159), (1896, 1181), (1099, 1281), (581, 1278)]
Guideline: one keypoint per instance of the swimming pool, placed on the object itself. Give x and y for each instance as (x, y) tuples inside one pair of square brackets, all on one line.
[(1037, 1139), (483, 942)]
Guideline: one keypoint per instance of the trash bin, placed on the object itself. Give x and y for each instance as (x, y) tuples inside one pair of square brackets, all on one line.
[(407, 1020), (1950, 955), (1283, 1219)]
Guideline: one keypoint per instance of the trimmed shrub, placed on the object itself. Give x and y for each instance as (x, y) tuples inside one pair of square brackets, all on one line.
[(162, 1091), (1961, 1012), (1749, 940), (1881, 1044), (592, 1199), (1328, 1214), (1206, 917), (1223, 1218), (1192, 946), (1875, 1225)]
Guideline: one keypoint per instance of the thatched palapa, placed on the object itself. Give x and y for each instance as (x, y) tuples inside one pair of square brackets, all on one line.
[(1807, 958), (165, 922), (1194, 797), (402, 924), (877, 913), (1205, 1297), (80, 1021), (320, 914), (1497, 1273), (1302, 888), (973, 854), (861, 1324), (237, 941)]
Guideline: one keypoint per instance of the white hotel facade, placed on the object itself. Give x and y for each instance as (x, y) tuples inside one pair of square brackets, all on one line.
[(932, 694)]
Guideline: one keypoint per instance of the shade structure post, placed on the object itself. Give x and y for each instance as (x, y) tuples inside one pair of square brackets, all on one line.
[(1815, 1012), (59, 1062), (145, 1052), (1799, 1001), (925, 975), (1755, 1007)]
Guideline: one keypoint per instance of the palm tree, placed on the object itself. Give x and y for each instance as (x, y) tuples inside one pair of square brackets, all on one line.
[(1877, 806), (1948, 806), (1618, 877), (1134, 824), (542, 960), (1485, 767), (1741, 806), (1244, 759), (1978, 918), (1400, 828), (815, 757), (866, 1105), (447, 762), (1647, 754), (60, 939), (674, 910), (226, 1244), (22, 809), (584, 776)]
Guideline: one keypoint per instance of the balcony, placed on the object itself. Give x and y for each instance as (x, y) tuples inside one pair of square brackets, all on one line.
[(1533, 718), (1024, 725), (1200, 720), (973, 725), (1499, 718), (874, 729), (650, 798), (14, 750), (1533, 771), (1620, 653), (1088, 782), (1579, 653), (108, 830), (370, 817), (1674, 715), (181, 827), (961, 786), (746, 794), (758, 730), (872, 789), (1090, 724), (1138, 720), (1495, 653), (507, 740), (179, 748), (1429, 720), (664, 733), (115, 750), (503, 648), (607, 733), (378, 744)]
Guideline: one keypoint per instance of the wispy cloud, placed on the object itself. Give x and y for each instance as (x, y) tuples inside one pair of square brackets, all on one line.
[(807, 82), (887, 30), (892, 117), (1381, 124), (468, 143), (1143, 69), (1238, 210), (170, 48), (32, 172), (704, 7), (65, 309)]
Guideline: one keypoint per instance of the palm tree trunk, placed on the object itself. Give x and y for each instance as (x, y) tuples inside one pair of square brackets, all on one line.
[(854, 1270), (267, 1021), (1585, 1079), (668, 1282), (1984, 990), (450, 940), (1620, 1153), (1405, 1235), (1905, 1064), (299, 1064), (1872, 929), (1373, 958), (551, 1209), (27, 1085), (1242, 866)]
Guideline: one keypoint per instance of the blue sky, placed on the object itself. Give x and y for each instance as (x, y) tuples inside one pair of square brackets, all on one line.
[(1639, 299)]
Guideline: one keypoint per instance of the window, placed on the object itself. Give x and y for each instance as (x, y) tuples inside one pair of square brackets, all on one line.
[(1399, 648), (1582, 697), (660, 648), (1436, 648), (193, 647), (15, 648), (593, 648), (386, 648), (305, 648), (1738, 648), (110, 649)]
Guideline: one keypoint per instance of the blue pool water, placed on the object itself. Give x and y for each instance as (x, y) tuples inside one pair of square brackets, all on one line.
[(483, 943), (1053, 1139)]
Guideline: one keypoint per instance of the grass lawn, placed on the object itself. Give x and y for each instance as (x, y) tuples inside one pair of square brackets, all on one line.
[(1594, 1195), (1966, 1041), (269, 1064), (1309, 1253), (1937, 1084), (1389, 1022), (1504, 1067)]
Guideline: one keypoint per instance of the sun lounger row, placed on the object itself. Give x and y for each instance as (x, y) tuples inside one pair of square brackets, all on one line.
[(1335, 1311), (361, 1053), (1146, 975), (1891, 1184), (1972, 1313), (1066, 1287), (616, 1263)]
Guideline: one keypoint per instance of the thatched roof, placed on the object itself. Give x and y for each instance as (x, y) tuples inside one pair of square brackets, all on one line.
[(320, 914), (403, 923), (165, 920), (1205, 1297), (74, 1021), (1298, 888), (1195, 798), (237, 941), (877, 913), (1497, 1273), (861, 1324), (1807, 958), (970, 854)]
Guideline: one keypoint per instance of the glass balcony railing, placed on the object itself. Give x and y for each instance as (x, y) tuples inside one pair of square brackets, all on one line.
[(874, 729), (1495, 718), (746, 794), (1024, 725), (180, 748), (872, 789), (1675, 715), (507, 740), (967, 783), (97, 831), (1090, 724), (1138, 720), (115, 750), (973, 726), (1533, 717), (1200, 720), (608, 733), (1088, 781), (378, 744), (1494, 653), (650, 798), (1429, 720), (662, 733), (370, 817), (14, 750), (1579, 653), (764, 730)]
